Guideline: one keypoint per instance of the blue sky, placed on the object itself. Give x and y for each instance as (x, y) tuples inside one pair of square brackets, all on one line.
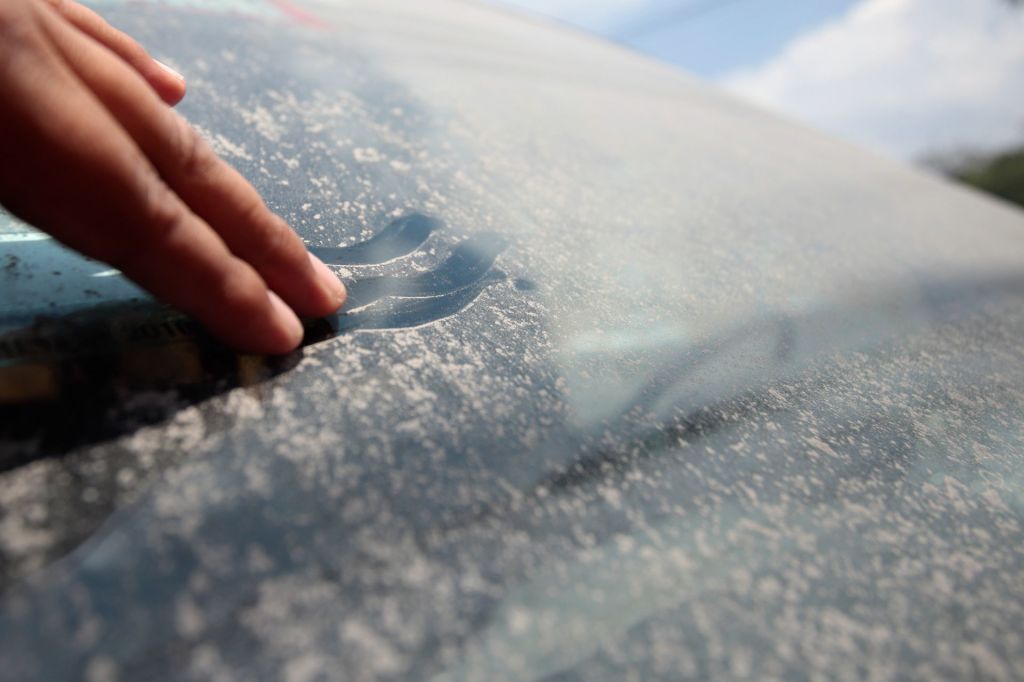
[(713, 37), (706, 37), (908, 77)]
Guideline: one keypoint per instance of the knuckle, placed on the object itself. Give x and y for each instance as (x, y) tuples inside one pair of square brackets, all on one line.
[(163, 217), (165, 213), (61, 6), (241, 291), (196, 158), (16, 26), (274, 241), (135, 53), (122, 43)]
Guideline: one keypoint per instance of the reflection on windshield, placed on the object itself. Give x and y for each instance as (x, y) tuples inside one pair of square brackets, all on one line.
[(400, 238), (66, 380)]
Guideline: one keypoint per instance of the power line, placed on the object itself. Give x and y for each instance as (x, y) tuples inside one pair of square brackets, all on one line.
[(679, 15)]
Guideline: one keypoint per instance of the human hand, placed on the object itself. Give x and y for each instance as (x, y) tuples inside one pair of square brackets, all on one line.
[(93, 155)]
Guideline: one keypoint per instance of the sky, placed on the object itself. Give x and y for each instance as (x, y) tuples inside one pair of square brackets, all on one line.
[(911, 78)]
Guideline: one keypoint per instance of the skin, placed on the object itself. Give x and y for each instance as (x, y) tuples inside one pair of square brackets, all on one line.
[(94, 155)]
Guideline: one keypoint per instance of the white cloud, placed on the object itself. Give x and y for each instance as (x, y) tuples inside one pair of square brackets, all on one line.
[(906, 76)]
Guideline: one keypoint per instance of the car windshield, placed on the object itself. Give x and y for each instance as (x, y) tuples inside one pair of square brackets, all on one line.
[(634, 381)]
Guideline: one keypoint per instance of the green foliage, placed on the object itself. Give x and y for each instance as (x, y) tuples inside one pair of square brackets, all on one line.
[(1002, 175)]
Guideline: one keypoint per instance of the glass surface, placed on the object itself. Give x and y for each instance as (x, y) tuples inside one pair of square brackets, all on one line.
[(636, 382)]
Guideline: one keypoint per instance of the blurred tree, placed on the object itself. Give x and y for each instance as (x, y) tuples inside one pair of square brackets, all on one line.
[(1001, 174)]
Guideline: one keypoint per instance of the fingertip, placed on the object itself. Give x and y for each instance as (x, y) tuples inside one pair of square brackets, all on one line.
[(287, 333), (169, 84), (173, 95), (275, 331), (335, 289), (169, 71)]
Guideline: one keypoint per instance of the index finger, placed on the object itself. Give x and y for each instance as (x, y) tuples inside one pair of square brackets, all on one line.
[(78, 175), (212, 189), (167, 82)]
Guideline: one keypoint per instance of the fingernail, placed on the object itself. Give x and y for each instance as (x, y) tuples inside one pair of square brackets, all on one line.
[(169, 70), (286, 319), (329, 280)]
